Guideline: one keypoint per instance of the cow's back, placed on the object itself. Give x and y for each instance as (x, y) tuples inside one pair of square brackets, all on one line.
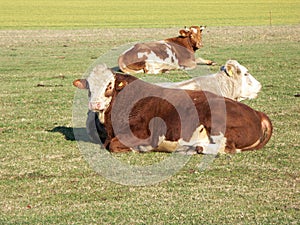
[(240, 124)]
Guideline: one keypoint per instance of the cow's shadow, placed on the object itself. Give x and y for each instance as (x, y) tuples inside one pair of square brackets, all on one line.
[(93, 132), (72, 134)]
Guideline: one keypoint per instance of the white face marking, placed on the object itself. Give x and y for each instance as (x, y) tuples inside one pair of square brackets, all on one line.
[(194, 30), (250, 86), (98, 80)]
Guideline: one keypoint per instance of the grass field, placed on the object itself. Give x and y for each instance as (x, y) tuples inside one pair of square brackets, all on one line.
[(135, 13), (44, 179)]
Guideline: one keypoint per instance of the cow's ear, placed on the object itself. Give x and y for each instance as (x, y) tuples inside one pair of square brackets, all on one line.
[(202, 28), (184, 33), (81, 83), (231, 69), (121, 84)]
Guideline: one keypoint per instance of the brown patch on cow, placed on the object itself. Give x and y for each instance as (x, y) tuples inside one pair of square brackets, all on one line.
[(109, 90), (184, 33), (117, 147), (159, 50)]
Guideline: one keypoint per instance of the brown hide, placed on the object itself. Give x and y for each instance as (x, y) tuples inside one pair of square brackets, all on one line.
[(145, 106)]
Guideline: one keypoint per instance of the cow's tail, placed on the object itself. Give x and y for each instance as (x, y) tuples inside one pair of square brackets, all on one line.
[(122, 65), (267, 130)]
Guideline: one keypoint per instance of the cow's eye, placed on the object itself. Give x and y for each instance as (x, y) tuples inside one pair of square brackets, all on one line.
[(108, 87)]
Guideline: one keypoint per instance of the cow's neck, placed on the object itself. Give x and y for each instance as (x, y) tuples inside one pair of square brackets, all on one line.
[(228, 86), (182, 41)]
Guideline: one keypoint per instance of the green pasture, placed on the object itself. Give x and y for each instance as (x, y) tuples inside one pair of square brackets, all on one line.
[(44, 178), (66, 14)]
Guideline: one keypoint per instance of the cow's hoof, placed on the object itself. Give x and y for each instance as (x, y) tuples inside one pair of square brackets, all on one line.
[(199, 149), (211, 63)]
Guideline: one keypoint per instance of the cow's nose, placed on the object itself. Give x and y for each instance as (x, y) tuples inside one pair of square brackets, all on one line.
[(95, 106), (259, 87)]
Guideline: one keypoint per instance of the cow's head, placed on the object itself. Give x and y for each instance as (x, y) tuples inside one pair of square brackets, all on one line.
[(249, 86), (100, 84), (195, 35)]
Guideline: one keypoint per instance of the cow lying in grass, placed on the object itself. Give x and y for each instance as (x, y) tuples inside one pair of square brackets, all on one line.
[(141, 116), (165, 55), (232, 81)]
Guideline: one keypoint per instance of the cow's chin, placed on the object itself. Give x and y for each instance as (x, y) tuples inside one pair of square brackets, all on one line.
[(249, 97), (199, 46), (254, 95), (98, 110)]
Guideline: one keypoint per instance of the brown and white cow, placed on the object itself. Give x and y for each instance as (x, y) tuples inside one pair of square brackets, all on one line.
[(139, 114), (161, 56), (233, 81)]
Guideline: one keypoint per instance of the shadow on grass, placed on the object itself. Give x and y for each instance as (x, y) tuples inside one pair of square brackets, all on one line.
[(69, 133)]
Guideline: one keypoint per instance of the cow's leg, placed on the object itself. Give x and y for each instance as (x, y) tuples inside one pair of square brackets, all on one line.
[(116, 146), (217, 146), (187, 150), (166, 146), (153, 67), (205, 62), (230, 147), (143, 148)]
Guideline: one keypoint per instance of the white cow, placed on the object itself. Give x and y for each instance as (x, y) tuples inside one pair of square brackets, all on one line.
[(232, 81)]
